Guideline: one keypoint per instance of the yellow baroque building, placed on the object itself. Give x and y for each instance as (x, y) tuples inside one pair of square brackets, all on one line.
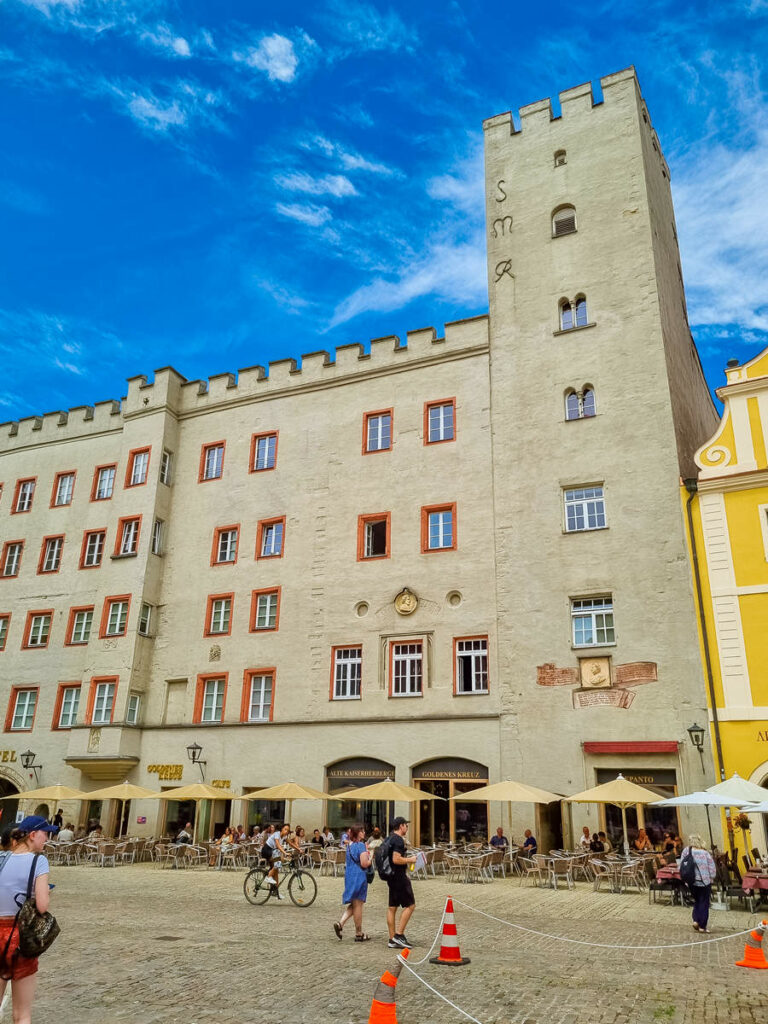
[(727, 515)]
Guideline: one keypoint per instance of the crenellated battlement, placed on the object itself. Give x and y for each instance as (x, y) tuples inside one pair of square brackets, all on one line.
[(171, 391)]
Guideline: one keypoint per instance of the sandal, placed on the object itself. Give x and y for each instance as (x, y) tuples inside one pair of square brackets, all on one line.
[(337, 929), (362, 937)]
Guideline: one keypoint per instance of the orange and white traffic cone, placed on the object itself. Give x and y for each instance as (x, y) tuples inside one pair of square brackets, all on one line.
[(754, 956), (450, 954), (383, 1009)]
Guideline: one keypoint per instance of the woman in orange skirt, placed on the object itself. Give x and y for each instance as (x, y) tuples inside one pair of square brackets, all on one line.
[(27, 839)]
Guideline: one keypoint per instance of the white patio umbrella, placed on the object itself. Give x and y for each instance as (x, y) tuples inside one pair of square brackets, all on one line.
[(739, 790), (389, 791), (288, 791), (508, 792), (123, 792), (699, 799)]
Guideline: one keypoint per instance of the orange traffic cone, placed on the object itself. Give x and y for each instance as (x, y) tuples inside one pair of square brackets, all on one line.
[(383, 1009), (450, 954), (754, 956)]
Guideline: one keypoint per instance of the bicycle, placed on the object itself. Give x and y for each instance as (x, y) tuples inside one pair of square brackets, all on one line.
[(302, 887)]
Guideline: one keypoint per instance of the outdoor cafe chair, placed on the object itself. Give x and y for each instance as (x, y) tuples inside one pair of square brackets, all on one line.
[(499, 861), (561, 867), (195, 856), (438, 860), (603, 872), (334, 860), (107, 855), (530, 869), (480, 869)]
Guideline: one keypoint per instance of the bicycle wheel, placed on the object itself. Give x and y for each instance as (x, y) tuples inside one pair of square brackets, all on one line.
[(302, 888), (255, 886)]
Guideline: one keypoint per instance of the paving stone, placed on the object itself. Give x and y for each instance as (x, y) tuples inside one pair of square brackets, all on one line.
[(230, 961)]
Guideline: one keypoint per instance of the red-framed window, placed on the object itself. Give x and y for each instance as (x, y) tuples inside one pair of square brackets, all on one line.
[(67, 706), (270, 538), (103, 486), (92, 550), (102, 696), (406, 668), (373, 533), (5, 626), (258, 699), (218, 614), (440, 421), (51, 551), (23, 495), (79, 625), (10, 563), (470, 665), (346, 671), (22, 708), (114, 615), (211, 698), (127, 537), (438, 527), (211, 461), (226, 541), (37, 629), (265, 610), (138, 466), (63, 488), (263, 451), (377, 431)]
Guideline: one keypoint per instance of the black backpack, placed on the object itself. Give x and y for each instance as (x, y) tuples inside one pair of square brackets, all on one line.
[(688, 867), (382, 860)]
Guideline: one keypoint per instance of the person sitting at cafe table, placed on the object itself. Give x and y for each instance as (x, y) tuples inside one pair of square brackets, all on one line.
[(317, 839), (530, 845), (607, 844), (642, 843), (185, 835), (596, 844), (500, 841), (678, 845), (585, 838), (667, 843), (67, 834)]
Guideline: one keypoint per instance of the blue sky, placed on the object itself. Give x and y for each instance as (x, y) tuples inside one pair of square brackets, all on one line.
[(214, 185)]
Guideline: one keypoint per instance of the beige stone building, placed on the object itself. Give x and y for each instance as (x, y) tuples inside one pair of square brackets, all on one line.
[(451, 560)]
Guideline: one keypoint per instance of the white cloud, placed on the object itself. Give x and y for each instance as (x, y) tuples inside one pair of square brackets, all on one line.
[(447, 270), (46, 7), (275, 55), (285, 298), (314, 216), (464, 189), (329, 184), (722, 216), (355, 162), (185, 105), (163, 38), (363, 27)]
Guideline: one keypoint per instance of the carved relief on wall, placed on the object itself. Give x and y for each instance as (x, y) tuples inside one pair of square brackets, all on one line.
[(406, 602), (599, 683)]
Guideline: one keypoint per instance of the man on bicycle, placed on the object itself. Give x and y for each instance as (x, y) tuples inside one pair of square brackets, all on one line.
[(272, 851)]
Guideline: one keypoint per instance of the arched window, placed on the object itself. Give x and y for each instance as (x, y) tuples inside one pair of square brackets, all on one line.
[(563, 221), (581, 311), (580, 405), (572, 405), (560, 158), (566, 315)]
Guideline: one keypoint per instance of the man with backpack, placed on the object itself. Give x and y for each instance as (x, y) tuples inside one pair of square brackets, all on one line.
[(392, 865)]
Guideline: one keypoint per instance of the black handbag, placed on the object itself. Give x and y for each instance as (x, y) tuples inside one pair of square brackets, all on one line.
[(36, 931)]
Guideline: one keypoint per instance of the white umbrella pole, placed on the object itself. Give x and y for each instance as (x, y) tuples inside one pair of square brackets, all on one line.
[(624, 826)]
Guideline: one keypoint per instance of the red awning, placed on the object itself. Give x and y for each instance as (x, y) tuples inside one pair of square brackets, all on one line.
[(632, 747)]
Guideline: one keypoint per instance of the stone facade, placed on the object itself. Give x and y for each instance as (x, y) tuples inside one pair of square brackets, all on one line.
[(471, 525)]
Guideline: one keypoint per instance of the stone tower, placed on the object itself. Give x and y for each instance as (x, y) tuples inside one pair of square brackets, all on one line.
[(596, 388)]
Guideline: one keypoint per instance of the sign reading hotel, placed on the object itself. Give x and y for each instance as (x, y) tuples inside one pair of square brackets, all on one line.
[(7, 755)]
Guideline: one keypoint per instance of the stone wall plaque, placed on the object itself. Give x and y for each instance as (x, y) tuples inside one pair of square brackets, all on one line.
[(595, 673), (602, 698)]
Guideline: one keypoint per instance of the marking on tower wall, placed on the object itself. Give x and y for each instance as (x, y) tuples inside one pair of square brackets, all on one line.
[(503, 193), (504, 267), (502, 222)]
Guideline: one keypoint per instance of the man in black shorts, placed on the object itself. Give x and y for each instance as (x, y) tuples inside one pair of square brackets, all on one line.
[(400, 888)]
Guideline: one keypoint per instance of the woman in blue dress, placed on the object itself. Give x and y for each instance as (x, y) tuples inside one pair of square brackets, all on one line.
[(355, 883)]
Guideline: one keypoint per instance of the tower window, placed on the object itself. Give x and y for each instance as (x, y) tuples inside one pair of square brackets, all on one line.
[(581, 311), (566, 316), (580, 405), (563, 221), (560, 158)]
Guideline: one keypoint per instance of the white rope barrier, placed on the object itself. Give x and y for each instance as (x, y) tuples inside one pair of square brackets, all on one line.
[(434, 990), (438, 933), (598, 945)]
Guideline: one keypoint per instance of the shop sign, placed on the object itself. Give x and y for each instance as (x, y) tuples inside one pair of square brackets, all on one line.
[(167, 772), (360, 768), (640, 776), (141, 820), (221, 783), (450, 768), (762, 737), (7, 755)]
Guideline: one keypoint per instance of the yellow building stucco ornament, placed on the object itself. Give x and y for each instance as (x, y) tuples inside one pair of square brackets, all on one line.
[(406, 602), (595, 673)]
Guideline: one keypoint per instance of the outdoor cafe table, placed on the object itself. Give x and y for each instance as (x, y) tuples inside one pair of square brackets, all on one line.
[(671, 873), (754, 880)]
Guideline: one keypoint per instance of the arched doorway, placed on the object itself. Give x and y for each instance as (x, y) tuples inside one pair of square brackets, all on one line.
[(8, 808), (351, 773), (448, 820)]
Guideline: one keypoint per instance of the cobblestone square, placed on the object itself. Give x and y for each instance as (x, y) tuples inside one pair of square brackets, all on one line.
[(158, 946)]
